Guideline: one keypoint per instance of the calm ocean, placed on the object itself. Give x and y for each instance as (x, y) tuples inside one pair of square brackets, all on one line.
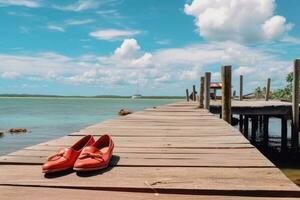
[(49, 118)]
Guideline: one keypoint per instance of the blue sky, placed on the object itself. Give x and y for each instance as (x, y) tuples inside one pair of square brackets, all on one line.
[(95, 47)]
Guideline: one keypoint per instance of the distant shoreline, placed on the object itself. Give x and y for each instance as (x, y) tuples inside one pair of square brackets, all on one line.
[(97, 96)]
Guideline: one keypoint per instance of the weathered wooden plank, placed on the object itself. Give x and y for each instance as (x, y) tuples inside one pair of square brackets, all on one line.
[(175, 178), (42, 150), (247, 107), (175, 142), (150, 133), (46, 193), (47, 147), (149, 159)]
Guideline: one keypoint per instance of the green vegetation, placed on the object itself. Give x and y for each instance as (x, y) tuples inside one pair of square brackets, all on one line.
[(260, 93), (286, 92)]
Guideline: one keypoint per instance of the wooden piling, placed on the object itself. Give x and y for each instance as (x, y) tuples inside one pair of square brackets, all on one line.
[(265, 120), (284, 130), (187, 95), (241, 87), (268, 90), (241, 123), (254, 126), (207, 90), (260, 122), (201, 94), (194, 93), (295, 98), (246, 126), (226, 93)]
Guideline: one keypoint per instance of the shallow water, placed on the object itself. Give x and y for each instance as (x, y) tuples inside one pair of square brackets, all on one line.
[(48, 118)]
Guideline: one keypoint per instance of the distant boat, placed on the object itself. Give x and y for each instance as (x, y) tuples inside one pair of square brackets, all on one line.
[(136, 96)]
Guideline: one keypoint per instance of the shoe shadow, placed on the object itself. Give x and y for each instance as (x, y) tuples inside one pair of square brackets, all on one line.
[(59, 174), (113, 162)]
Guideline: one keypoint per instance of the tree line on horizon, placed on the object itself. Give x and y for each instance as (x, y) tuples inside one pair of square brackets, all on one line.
[(284, 93)]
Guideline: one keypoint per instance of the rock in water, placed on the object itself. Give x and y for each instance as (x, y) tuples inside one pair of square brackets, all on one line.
[(18, 130), (234, 121), (124, 112)]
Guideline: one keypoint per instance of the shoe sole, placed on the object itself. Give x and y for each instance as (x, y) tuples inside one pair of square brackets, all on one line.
[(89, 169), (55, 170)]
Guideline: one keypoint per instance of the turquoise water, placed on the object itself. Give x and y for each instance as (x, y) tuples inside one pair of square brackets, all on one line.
[(48, 118)]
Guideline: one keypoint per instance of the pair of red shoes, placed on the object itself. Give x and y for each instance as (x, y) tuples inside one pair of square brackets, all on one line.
[(85, 155)]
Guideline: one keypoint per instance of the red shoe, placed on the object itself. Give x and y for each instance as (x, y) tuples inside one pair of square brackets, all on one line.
[(65, 158), (96, 156)]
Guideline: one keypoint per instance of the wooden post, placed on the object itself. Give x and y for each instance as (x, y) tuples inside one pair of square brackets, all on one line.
[(246, 126), (194, 93), (226, 93), (207, 90), (283, 134), (241, 123), (254, 126), (266, 130), (201, 94), (215, 94), (268, 89), (295, 118), (241, 87), (187, 95)]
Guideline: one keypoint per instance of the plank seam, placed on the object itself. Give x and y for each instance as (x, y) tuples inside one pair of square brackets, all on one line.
[(205, 192)]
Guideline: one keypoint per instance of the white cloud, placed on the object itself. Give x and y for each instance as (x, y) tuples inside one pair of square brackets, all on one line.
[(20, 14), (56, 28), (111, 14), (191, 74), (275, 27), (70, 22), (10, 75), (74, 22), (25, 3), (113, 34), (129, 65), (237, 20), (78, 6), (24, 29), (163, 42), (291, 40), (243, 70), (129, 55), (128, 49)]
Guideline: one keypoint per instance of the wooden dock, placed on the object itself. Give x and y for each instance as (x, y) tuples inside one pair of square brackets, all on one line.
[(255, 107), (259, 112), (176, 151)]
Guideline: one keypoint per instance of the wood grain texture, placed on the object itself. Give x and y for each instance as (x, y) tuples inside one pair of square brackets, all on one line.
[(168, 152), (34, 193), (226, 93)]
